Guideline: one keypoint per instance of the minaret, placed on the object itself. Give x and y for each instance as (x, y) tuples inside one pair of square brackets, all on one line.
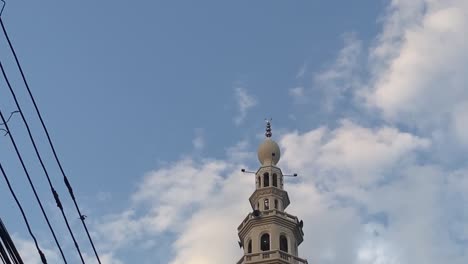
[(268, 234)]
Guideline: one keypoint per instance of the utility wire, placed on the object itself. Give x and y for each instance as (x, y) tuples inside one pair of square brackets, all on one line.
[(32, 186), (54, 192), (65, 178), (15, 256), (3, 255), (11, 115), (41, 254)]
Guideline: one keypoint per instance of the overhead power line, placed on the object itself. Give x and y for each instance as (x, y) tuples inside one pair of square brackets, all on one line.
[(41, 254), (65, 178), (5, 238), (54, 192), (18, 154)]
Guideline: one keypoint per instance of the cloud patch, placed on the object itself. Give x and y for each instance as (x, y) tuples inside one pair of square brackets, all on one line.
[(420, 62), (244, 103)]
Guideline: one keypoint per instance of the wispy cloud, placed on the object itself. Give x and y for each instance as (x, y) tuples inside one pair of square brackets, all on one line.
[(300, 74), (337, 80), (244, 103), (298, 94), (199, 140)]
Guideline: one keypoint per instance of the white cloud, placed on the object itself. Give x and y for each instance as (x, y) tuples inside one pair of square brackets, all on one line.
[(29, 253), (375, 249), (355, 178), (348, 151), (244, 103), (106, 258), (192, 201), (163, 202), (420, 62)]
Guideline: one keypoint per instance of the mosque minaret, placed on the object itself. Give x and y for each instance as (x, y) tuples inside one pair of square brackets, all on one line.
[(268, 234)]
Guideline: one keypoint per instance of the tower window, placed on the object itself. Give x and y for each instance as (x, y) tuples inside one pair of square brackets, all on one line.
[(265, 242), (275, 180), (266, 179), (259, 182), (267, 204), (276, 204), (258, 205), (249, 246), (283, 243)]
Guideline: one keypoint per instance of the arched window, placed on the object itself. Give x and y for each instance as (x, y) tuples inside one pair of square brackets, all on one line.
[(258, 205), (259, 182), (265, 242), (275, 180), (249, 246), (276, 204), (266, 179), (283, 243), (266, 204)]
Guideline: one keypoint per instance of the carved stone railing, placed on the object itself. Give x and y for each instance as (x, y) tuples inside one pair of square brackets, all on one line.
[(273, 255), (267, 213)]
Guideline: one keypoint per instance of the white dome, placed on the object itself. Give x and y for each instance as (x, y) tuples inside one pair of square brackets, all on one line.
[(269, 152)]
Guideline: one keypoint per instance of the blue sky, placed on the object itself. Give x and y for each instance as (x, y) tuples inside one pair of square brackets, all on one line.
[(155, 106)]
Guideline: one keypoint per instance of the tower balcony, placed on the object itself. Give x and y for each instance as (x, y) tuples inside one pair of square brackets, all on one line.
[(283, 215), (271, 217), (271, 257)]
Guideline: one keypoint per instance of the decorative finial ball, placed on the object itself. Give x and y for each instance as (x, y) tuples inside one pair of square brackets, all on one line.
[(269, 152)]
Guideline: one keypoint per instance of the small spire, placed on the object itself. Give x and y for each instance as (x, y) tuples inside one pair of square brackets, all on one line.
[(268, 133)]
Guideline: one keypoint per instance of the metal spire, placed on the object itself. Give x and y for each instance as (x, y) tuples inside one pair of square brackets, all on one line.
[(268, 133)]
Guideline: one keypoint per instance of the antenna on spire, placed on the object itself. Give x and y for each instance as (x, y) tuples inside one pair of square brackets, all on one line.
[(246, 171), (268, 133)]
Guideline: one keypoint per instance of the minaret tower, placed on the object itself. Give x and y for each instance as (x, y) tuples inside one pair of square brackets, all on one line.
[(269, 235)]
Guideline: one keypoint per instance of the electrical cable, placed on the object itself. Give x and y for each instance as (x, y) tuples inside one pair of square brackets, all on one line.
[(54, 192), (65, 178), (10, 246), (41, 254), (32, 185), (3, 255)]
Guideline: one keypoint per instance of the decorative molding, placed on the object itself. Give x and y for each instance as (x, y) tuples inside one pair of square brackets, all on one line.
[(275, 219), (268, 191)]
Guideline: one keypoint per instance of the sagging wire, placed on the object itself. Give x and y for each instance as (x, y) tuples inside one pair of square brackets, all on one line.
[(8, 120), (82, 217), (31, 184)]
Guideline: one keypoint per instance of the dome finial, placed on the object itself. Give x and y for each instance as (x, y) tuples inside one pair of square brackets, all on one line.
[(268, 152), (268, 133)]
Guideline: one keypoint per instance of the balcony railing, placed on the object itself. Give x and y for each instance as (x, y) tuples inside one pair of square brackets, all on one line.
[(273, 254), (267, 213)]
